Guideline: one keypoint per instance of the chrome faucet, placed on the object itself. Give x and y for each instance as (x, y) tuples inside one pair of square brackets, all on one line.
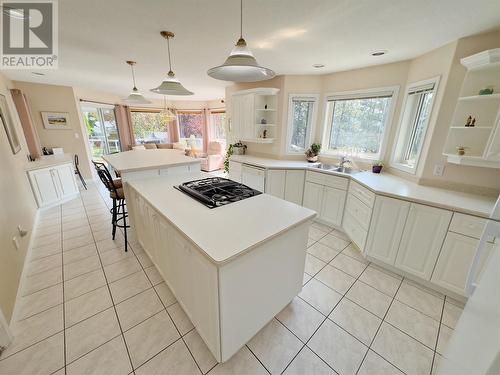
[(343, 160)]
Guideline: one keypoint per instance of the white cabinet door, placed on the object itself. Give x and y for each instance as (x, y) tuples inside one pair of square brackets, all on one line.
[(66, 180), (43, 182), (236, 117), (422, 239), (294, 186), (248, 114), (253, 177), (275, 183), (235, 171), (313, 196), (386, 228), (454, 261), (332, 208)]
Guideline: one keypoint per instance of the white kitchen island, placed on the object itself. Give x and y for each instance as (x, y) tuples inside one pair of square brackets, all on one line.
[(232, 268), (150, 163)]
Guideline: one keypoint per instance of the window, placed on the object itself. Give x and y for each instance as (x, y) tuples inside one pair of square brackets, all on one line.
[(149, 127), (102, 131), (356, 124), (301, 115), (413, 125), (191, 128), (217, 127)]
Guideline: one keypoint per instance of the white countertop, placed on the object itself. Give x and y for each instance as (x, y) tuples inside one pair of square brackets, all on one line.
[(224, 232), (393, 186), (46, 161), (271, 163), (137, 160)]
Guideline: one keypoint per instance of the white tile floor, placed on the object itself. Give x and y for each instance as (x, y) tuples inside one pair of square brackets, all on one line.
[(87, 307)]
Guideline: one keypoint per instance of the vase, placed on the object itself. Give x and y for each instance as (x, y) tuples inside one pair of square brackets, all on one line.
[(376, 168), (312, 159)]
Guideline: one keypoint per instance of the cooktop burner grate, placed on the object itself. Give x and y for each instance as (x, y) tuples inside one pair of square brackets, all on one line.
[(217, 191)]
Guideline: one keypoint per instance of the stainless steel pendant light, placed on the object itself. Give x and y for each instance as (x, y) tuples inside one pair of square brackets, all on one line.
[(135, 96), (171, 85), (241, 66)]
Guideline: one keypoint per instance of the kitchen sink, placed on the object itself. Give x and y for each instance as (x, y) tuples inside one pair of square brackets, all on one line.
[(334, 168)]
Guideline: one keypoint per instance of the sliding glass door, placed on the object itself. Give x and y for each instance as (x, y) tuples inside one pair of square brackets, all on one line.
[(102, 131)]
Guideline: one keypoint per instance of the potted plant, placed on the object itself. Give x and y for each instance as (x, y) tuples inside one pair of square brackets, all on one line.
[(312, 152), (377, 166)]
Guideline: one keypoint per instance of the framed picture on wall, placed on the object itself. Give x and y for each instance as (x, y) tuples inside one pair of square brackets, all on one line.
[(56, 120), (9, 126)]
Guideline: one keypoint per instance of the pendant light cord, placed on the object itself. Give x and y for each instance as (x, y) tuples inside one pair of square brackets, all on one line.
[(133, 75), (241, 19), (169, 60)]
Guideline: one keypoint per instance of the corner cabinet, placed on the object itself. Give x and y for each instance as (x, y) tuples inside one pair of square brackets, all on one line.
[(53, 185), (254, 115)]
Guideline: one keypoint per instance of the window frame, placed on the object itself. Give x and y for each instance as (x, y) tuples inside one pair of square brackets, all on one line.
[(393, 91), (153, 111), (398, 147), (192, 111), (312, 127)]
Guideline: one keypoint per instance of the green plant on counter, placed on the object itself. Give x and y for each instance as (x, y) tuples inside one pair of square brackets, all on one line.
[(313, 150), (378, 163), (228, 155)]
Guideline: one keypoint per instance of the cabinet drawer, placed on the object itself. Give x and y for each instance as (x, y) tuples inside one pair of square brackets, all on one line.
[(468, 225), (354, 230), (358, 210), (327, 180), (362, 193)]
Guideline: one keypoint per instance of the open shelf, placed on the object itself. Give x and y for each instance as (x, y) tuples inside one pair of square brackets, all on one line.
[(471, 127), (471, 160), (480, 97), (266, 125), (266, 109)]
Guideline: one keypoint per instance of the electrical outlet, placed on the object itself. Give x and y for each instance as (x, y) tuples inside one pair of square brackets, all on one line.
[(16, 242), (438, 170)]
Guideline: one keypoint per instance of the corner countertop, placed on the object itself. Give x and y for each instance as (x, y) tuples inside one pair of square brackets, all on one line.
[(46, 161), (271, 163), (225, 232), (393, 186), (137, 160)]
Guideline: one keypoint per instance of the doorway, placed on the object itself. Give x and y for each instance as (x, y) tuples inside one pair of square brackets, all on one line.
[(102, 131)]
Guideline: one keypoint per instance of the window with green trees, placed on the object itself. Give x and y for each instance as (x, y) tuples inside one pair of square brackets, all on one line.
[(356, 125), (149, 127)]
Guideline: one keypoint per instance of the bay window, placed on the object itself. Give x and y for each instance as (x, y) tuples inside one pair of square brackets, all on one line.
[(357, 123), (149, 127), (191, 128)]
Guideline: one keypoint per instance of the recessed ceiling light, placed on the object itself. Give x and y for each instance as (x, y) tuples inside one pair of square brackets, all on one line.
[(318, 66), (38, 74), (379, 53)]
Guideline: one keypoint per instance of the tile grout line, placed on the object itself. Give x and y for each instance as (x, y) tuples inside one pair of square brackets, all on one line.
[(111, 295), (437, 338), (63, 304), (321, 324)]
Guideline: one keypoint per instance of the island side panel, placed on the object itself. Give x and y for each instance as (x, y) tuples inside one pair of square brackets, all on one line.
[(256, 286), (192, 278)]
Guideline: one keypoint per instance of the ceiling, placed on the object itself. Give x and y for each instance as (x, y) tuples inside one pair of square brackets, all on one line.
[(288, 36)]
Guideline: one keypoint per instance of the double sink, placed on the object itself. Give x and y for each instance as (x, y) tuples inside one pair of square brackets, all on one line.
[(334, 168)]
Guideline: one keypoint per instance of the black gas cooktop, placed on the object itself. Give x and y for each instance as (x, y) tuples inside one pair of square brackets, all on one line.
[(216, 191)]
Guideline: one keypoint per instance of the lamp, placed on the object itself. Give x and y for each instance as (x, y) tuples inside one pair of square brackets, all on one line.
[(166, 114), (135, 96), (171, 85), (241, 65)]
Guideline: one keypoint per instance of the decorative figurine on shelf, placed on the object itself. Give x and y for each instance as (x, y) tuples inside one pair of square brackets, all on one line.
[(461, 150), (486, 91), (473, 123), (469, 121), (263, 121), (265, 106), (264, 133)]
